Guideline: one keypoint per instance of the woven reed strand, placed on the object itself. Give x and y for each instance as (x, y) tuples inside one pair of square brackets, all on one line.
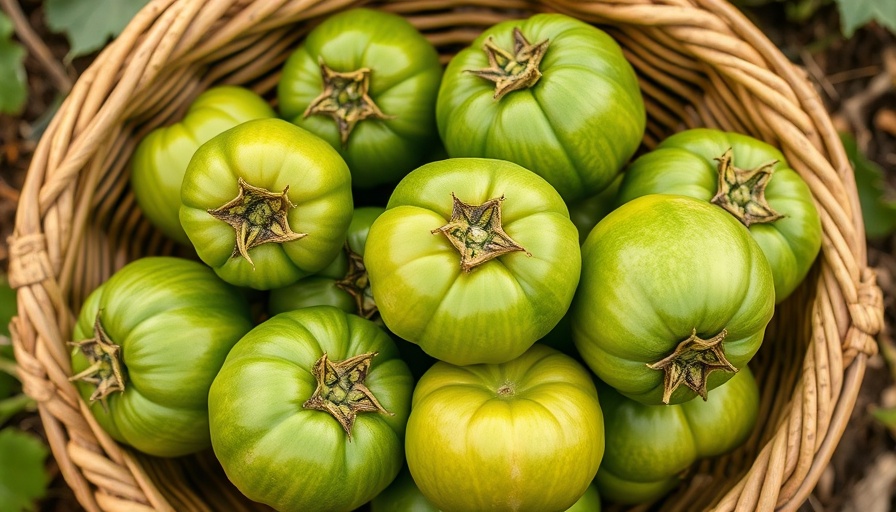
[(700, 63)]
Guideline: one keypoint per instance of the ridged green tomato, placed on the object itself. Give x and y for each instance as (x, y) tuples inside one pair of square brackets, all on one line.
[(266, 203), (402, 495), (675, 297), (523, 435), (748, 178), (148, 343), (366, 82), (309, 411), (589, 502), (551, 93), (586, 213), (649, 447), (343, 283), (160, 161), (473, 260)]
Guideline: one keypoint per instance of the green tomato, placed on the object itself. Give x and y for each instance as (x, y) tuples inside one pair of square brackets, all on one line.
[(473, 259), (589, 502), (402, 495), (586, 213), (309, 411), (366, 82), (748, 178), (523, 435), (161, 159), (551, 93), (343, 283), (649, 447), (560, 337), (674, 291), (266, 203), (148, 343)]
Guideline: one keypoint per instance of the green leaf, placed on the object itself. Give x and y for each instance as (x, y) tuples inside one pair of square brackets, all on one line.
[(8, 384), (887, 416), (858, 13), (7, 305), (13, 405), (13, 82), (23, 479), (89, 24), (878, 210), (8, 387), (800, 11)]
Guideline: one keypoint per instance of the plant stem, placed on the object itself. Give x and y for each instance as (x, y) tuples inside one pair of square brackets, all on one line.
[(13, 405), (7, 366)]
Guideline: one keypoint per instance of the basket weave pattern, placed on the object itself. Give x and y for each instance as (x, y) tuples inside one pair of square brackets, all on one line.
[(700, 63)]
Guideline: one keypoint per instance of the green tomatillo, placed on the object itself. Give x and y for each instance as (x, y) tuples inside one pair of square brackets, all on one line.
[(675, 298), (650, 447), (366, 82), (473, 260), (161, 159), (750, 180), (266, 203), (402, 495), (343, 284), (550, 93), (523, 435), (309, 411), (148, 343)]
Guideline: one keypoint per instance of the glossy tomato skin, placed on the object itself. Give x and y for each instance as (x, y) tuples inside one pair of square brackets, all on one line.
[(685, 164), (174, 321), (649, 447), (586, 213), (271, 154), (589, 502), (161, 158), (321, 289), (404, 82), (293, 458), (494, 312), (654, 271), (576, 126), (402, 495), (481, 437)]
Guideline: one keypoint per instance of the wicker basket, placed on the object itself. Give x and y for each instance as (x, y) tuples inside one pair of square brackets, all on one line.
[(700, 63)]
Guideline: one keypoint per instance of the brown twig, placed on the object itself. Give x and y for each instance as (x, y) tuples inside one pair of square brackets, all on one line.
[(853, 74), (36, 46), (818, 74), (7, 192), (854, 109)]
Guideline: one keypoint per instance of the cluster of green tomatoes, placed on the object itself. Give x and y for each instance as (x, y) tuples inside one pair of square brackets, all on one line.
[(522, 324)]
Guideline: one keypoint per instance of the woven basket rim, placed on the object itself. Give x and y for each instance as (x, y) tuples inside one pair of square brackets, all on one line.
[(47, 249)]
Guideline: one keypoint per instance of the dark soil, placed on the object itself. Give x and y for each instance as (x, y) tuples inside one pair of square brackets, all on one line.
[(855, 77)]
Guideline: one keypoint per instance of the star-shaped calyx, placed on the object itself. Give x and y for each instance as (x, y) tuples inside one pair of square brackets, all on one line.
[(356, 284), (692, 362), (476, 232), (106, 370), (742, 191), (258, 216), (341, 390), (345, 98), (512, 71)]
